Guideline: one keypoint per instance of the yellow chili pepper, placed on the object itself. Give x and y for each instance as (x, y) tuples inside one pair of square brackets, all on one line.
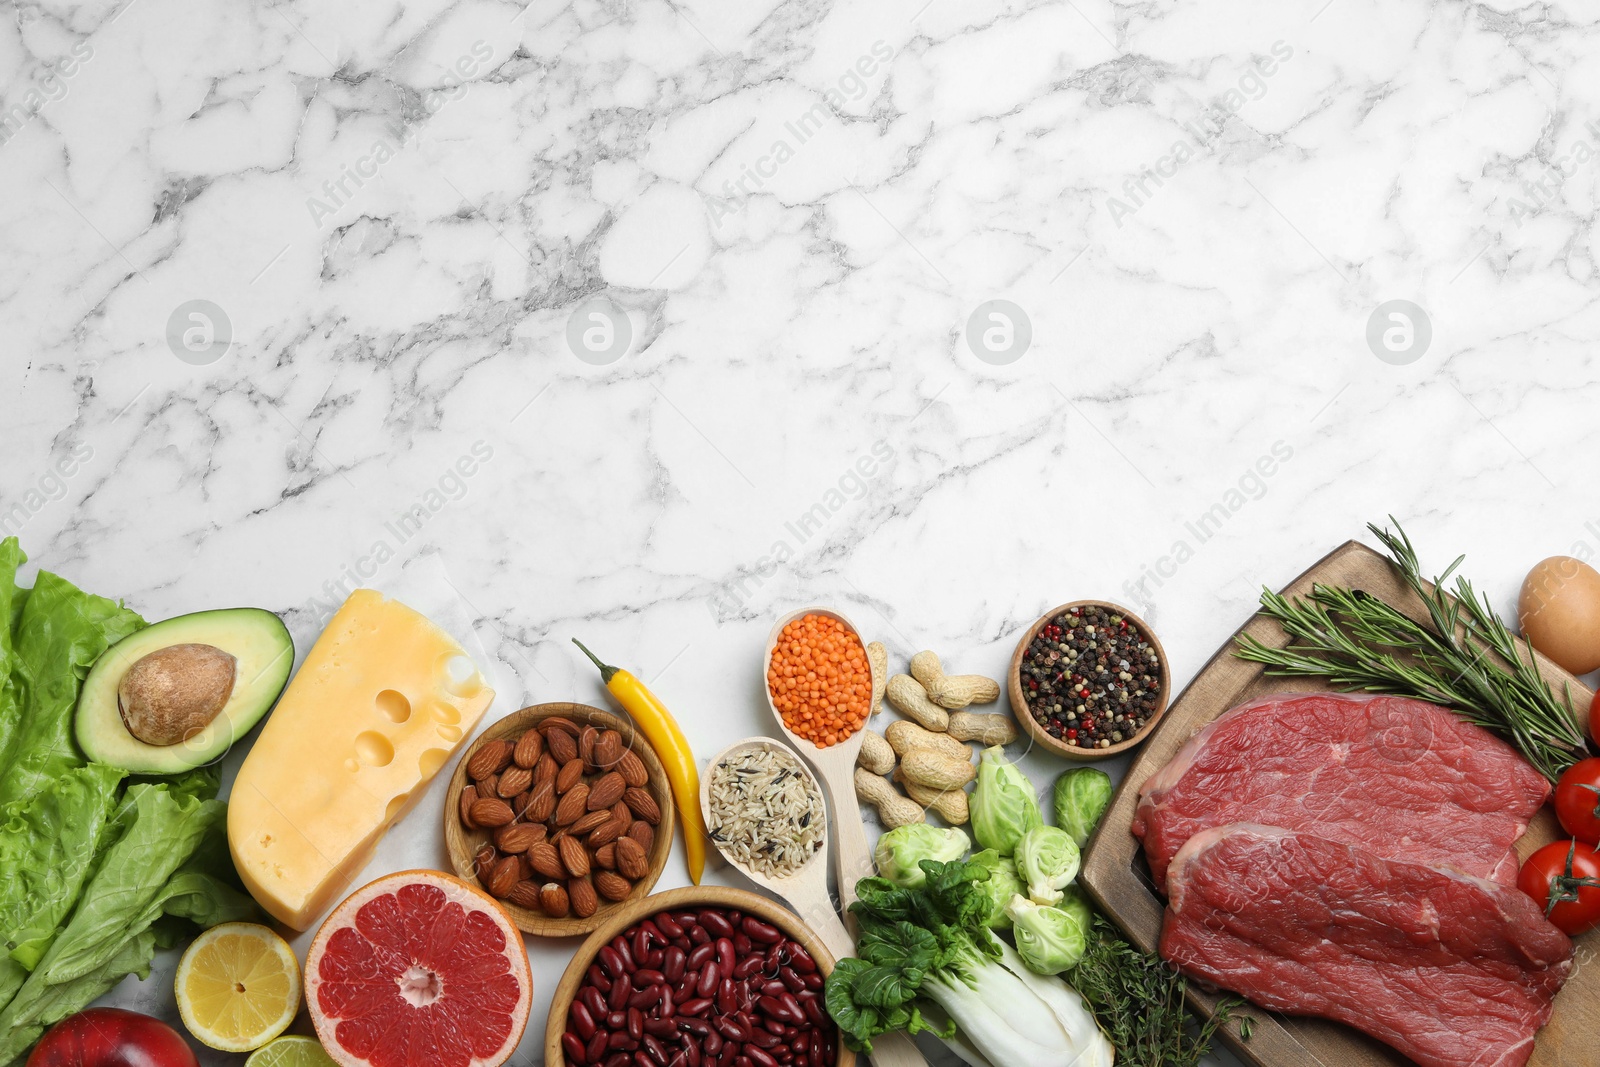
[(677, 759)]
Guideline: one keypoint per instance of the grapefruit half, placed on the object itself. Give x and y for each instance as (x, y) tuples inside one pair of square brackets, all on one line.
[(418, 969)]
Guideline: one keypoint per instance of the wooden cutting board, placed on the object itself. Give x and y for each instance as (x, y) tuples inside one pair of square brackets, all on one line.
[(1118, 878)]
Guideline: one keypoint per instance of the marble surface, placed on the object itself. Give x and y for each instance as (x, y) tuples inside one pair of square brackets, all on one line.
[(656, 319)]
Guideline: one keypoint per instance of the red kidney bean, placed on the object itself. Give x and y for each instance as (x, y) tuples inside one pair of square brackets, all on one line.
[(773, 1008), (759, 1057), (691, 1025), (748, 966), (772, 988), (620, 1040), (635, 1023), (813, 1011), (702, 953), (621, 990), (801, 959), (790, 980), (776, 958), (712, 1043), (653, 958), (725, 1001), (698, 1006), (672, 964), (812, 980), (657, 1052), (730, 1028), (683, 943), (594, 1002), (618, 1059), (759, 931), (582, 1021), (620, 943), (666, 1007), (744, 1061), (668, 925), (599, 1043), (611, 962), (727, 959), (763, 1038), (792, 1006), (742, 945), (775, 1026), (699, 935), (732, 1052), (662, 1027), (708, 980), (691, 1054), (597, 977), (646, 976), (647, 996), (575, 1048), (716, 923), (616, 1020), (818, 1057)]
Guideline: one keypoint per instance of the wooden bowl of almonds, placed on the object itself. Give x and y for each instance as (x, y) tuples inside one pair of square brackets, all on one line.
[(563, 813)]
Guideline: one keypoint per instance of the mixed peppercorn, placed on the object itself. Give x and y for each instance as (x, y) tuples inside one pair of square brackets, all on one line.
[(1091, 678)]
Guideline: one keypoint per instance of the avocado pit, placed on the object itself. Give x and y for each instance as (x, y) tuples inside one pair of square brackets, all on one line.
[(174, 692)]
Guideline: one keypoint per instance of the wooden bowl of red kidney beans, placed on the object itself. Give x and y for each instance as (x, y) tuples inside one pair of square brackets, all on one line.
[(700, 977)]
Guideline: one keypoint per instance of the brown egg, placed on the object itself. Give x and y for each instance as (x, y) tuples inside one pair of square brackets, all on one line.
[(1560, 612)]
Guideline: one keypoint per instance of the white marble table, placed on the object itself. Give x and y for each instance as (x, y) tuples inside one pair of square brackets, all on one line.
[(700, 293)]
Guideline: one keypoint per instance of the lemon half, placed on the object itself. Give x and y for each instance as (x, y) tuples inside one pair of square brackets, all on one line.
[(238, 987)]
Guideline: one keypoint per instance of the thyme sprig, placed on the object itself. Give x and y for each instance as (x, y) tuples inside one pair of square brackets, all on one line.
[(1464, 656)]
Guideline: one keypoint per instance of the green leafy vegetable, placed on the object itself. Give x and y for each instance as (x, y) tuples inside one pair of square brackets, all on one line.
[(901, 850), (1081, 797), (1463, 657), (1003, 884), (1138, 1000), (1048, 861), (1003, 806), (1050, 939)]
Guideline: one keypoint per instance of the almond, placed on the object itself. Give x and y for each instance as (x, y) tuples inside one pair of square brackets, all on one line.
[(632, 769), (489, 812), (506, 874), (561, 723), (586, 739), (541, 803), (483, 863), (621, 811), (518, 837), (530, 746), (606, 856), (631, 859), (592, 821), (612, 886), (491, 758), (571, 774), (469, 796), (553, 901), (524, 894), (607, 749), (546, 860), (642, 804), (574, 857), (487, 786), (563, 746), (609, 830), (546, 769), (643, 833), (514, 780), (524, 868), (572, 805), (607, 791), (584, 901), (519, 803)]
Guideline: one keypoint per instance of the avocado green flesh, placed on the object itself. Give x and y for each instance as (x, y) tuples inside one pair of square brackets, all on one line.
[(255, 637)]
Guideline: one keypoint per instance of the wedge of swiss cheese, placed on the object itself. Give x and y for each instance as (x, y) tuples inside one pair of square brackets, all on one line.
[(380, 704)]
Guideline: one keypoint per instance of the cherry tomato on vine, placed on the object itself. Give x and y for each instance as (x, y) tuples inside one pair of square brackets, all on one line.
[(1578, 800), (1563, 877)]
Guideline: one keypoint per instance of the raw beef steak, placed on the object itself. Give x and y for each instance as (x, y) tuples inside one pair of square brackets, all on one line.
[(1452, 971), (1401, 778)]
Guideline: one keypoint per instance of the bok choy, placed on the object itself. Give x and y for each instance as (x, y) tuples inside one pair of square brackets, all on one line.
[(932, 944)]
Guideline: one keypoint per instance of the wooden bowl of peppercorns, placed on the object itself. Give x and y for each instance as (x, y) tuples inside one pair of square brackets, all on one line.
[(1089, 680)]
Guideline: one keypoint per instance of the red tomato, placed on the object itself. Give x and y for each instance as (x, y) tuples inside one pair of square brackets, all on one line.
[(111, 1037), (1578, 800), (1564, 878)]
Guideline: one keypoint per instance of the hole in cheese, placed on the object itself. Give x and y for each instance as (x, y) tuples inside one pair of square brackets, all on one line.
[(461, 677), (446, 713), (394, 705), (450, 733), (373, 749), (431, 760)]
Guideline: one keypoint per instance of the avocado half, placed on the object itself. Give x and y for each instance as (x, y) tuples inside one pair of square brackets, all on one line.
[(254, 637)]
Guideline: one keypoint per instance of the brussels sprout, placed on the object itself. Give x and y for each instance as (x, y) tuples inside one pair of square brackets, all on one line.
[(1003, 805), (1049, 939), (1081, 797), (1047, 860), (1003, 884), (901, 850)]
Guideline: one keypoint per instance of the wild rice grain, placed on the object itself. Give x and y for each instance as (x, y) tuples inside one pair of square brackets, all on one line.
[(766, 811)]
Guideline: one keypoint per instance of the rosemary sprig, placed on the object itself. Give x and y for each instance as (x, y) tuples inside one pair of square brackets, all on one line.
[(1464, 656)]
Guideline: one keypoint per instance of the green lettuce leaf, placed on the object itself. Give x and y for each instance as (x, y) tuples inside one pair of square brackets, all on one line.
[(11, 601), (46, 851)]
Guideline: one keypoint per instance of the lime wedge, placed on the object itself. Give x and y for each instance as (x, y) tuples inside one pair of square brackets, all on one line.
[(290, 1052)]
